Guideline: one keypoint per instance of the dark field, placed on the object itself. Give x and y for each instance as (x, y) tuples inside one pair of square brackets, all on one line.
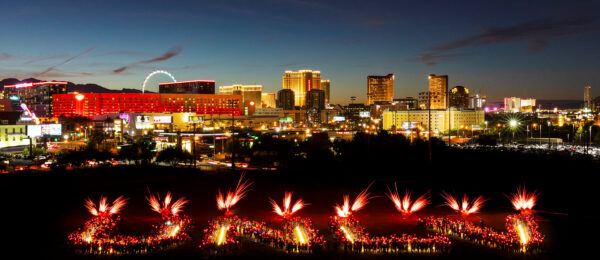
[(41, 209)]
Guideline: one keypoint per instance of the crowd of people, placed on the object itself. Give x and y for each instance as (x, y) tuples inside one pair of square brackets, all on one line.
[(224, 233), (351, 235), (522, 232), (99, 236)]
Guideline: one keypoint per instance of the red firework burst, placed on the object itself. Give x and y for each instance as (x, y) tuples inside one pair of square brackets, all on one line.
[(166, 208), (287, 211), (464, 207), (405, 205), (359, 202), (226, 202), (103, 209), (523, 201)]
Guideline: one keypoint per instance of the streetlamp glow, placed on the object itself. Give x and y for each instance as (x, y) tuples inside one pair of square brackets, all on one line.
[(513, 123)]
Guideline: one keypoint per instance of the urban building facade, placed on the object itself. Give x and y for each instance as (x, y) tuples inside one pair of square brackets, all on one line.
[(441, 120), (477, 101), (517, 105), (13, 135), (37, 96), (301, 82), (251, 95), (380, 89), (459, 97), (325, 85), (315, 99), (408, 102), (438, 89), (268, 100), (199, 86), (286, 99), (587, 97), (92, 104)]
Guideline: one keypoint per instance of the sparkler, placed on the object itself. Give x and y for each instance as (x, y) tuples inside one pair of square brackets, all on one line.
[(103, 209), (359, 202), (464, 207), (523, 201), (405, 205), (287, 211), (166, 208), (225, 202)]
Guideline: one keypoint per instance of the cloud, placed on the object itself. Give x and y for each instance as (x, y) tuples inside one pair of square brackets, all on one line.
[(167, 55), (431, 59), (65, 61), (535, 33), (535, 30)]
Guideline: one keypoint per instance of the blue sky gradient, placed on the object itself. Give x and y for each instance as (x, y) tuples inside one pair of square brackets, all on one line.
[(543, 49)]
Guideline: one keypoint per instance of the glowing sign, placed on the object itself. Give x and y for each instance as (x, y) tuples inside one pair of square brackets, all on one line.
[(409, 125), (44, 130), (79, 97), (364, 114), (124, 117), (14, 98), (195, 119), (339, 118), (288, 119)]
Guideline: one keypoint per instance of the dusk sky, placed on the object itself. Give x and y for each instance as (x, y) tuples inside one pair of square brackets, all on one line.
[(545, 49)]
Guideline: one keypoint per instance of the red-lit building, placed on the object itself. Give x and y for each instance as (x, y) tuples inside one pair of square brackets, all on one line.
[(199, 86), (37, 96), (92, 104)]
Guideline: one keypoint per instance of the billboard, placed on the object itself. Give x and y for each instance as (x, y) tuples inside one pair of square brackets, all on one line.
[(288, 119), (364, 114), (44, 130), (339, 118), (409, 125), (162, 119)]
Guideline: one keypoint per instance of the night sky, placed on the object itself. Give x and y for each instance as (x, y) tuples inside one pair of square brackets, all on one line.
[(545, 49)]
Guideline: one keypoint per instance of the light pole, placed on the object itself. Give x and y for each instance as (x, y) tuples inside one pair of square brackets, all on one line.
[(549, 141)]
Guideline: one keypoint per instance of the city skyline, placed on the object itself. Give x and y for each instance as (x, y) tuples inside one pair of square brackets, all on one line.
[(525, 54)]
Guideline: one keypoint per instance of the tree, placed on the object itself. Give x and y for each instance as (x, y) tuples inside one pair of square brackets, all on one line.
[(173, 155)]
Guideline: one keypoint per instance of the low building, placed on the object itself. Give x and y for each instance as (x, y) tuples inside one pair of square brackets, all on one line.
[(441, 120), (13, 135)]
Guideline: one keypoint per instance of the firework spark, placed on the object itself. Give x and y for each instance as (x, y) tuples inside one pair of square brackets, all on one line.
[(287, 201), (523, 200), (405, 205), (166, 208), (464, 207), (225, 202), (103, 209), (359, 202)]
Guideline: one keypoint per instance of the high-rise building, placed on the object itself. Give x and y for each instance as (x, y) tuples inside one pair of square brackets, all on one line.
[(459, 97), (438, 88), (199, 86), (267, 100), (423, 100), (315, 99), (37, 96), (380, 89), (477, 101), (285, 99), (301, 82), (325, 84), (251, 95), (587, 97)]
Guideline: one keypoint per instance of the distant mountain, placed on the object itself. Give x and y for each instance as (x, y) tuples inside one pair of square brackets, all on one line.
[(72, 87)]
